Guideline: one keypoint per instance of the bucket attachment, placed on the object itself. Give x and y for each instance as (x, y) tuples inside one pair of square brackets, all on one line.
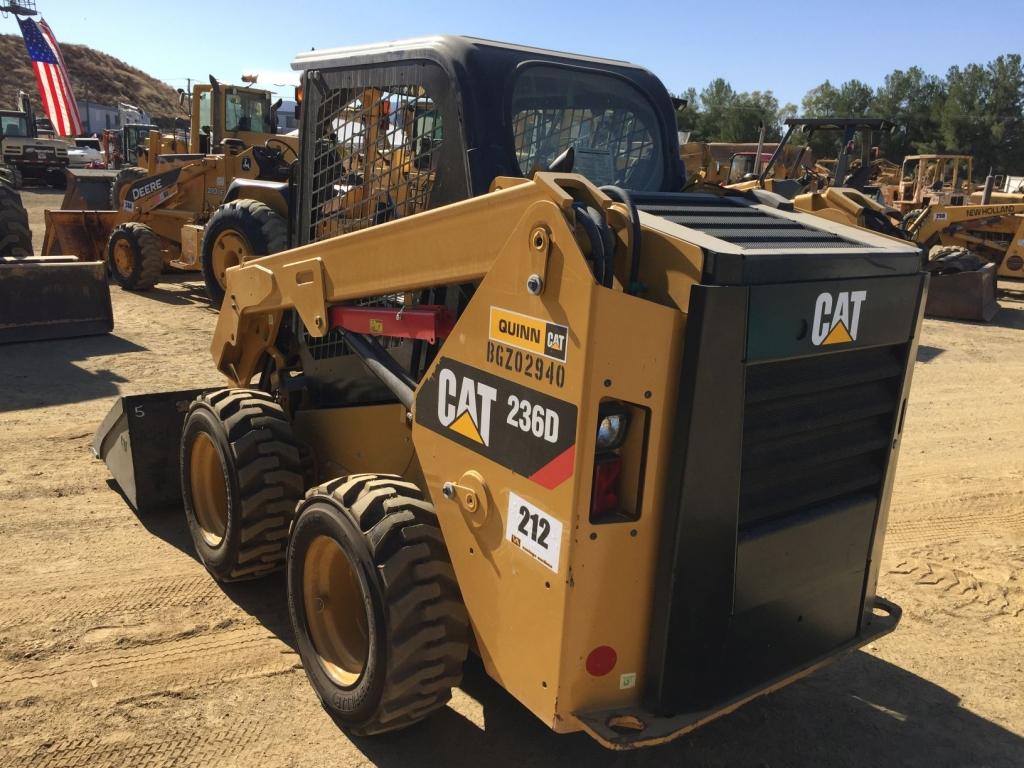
[(88, 189), (967, 295), (138, 441), (80, 233), (53, 297)]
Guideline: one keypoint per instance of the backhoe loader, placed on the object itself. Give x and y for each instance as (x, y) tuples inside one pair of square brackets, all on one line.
[(522, 397), (158, 212)]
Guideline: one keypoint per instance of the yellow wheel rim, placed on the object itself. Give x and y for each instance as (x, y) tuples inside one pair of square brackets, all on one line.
[(335, 611), (229, 250), (124, 257), (209, 489)]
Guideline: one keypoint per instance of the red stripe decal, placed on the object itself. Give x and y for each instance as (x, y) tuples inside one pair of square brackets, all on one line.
[(556, 471)]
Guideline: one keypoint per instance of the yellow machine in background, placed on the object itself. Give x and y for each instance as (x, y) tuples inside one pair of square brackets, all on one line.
[(931, 179), (160, 210), (730, 163), (843, 190)]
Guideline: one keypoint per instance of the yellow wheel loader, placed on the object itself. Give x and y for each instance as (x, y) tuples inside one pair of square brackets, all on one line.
[(45, 297), (632, 447), (970, 247), (158, 212)]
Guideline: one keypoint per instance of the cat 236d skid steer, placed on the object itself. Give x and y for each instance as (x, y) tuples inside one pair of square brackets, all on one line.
[(512, 393)]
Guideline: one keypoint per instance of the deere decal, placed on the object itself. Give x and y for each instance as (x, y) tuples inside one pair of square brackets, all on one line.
[(836, 317), (529, 333), (150, 186), (529, 432)]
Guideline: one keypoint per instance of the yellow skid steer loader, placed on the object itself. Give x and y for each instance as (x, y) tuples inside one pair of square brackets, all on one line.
[(633, 447)]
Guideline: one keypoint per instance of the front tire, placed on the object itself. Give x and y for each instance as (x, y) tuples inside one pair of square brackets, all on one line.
[(237, 232), (135, 256), (241, 477), (377, 615)]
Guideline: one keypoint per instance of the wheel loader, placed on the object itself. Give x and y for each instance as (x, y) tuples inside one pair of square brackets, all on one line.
[(632, 447), (157, 216)]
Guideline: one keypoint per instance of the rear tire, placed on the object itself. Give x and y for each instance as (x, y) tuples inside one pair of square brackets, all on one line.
[(237, 232), (124, 178), (377, 615), (135, 256), (241, 477), (15, 235)]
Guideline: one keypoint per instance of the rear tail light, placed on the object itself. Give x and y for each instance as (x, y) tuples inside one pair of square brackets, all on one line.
[(604, 499), (620, 445)]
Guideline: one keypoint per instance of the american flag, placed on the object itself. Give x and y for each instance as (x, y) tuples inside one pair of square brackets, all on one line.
[(52, 76)]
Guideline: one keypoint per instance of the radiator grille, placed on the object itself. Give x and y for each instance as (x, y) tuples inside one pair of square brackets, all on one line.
[(738, 222), (816, 430)]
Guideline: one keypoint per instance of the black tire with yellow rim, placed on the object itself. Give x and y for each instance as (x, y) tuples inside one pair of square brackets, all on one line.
[(377, 615), (237, 232), (242, 475), (135, 256), (124, 179)]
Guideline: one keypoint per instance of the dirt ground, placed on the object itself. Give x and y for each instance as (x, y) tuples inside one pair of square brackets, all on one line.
[(117, 649)]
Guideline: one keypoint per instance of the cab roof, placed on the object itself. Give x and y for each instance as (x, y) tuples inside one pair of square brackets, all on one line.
[(451, 47)]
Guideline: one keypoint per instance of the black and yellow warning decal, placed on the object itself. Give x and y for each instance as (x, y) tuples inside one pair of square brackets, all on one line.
[(529, 333), (529, 432), (158, 186)]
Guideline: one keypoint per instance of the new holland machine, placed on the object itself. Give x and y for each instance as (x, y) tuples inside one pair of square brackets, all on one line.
[(512, 393), (158, 213)]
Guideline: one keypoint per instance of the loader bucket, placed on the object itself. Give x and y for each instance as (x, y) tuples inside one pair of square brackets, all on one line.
[(88, 189), (78, 233), (53, 297), (138, 441), (963, 295)]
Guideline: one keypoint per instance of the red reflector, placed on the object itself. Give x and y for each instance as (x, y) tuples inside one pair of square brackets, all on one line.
[(601, 660), (605, 496)]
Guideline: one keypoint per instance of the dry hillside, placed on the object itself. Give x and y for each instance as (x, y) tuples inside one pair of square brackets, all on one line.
[(94, 76)]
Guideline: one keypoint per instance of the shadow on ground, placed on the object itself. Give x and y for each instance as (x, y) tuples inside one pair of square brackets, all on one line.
[(926, 354), (860, 712), (263, 599), (181, 289), (40, 374), (1010, 316)]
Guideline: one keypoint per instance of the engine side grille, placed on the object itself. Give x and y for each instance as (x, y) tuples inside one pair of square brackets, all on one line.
[(738, 222), (816, 430)]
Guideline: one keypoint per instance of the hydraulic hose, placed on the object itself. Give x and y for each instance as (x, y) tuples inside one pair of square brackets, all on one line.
[(618, 193), (598, 251)]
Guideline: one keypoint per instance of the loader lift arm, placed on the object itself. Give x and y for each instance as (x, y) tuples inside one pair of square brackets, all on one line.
[(444, 246)]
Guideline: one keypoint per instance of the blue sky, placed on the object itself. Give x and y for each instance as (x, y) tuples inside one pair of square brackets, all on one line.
[(684, 43)]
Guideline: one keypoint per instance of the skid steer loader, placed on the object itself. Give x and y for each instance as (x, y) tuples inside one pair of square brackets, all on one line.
[(633, 447), (45, 297), (158, 213)]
